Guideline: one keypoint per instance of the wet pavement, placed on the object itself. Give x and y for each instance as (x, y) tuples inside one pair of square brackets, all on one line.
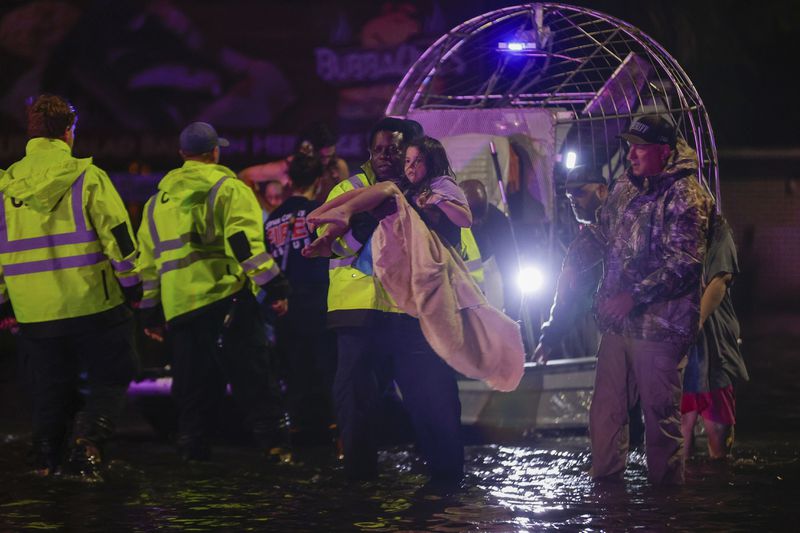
[(533, 484)]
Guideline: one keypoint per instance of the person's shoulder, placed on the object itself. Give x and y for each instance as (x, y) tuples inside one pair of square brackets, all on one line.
[(355, 181), (93, 176), (689, 191), (443, 180)]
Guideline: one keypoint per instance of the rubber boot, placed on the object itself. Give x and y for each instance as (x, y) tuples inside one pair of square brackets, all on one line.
[(275, 441), (85, 458)]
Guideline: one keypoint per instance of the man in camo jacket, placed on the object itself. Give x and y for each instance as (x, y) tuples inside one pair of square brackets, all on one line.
[(656, 222)]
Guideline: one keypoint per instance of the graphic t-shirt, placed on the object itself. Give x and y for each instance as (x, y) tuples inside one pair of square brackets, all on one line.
[(287, 234)]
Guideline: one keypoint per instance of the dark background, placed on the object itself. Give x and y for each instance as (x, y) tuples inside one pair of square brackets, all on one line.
[(739, 56)]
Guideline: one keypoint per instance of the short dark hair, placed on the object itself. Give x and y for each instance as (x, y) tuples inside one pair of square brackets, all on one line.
[(304, 170), (435, 156), (50, 116), (411, 129)]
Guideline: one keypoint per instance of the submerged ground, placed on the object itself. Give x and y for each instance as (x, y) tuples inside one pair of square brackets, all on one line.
[(537, 483)]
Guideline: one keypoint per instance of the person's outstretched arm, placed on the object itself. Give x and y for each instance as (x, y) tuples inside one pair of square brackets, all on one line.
[(335, 215), (339, 210)]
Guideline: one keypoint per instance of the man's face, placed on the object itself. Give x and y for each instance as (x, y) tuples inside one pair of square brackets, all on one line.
[(585, 200), (648, 159), (386, 155)]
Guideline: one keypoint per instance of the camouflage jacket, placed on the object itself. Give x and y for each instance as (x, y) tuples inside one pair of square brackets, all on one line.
[(657, 229)]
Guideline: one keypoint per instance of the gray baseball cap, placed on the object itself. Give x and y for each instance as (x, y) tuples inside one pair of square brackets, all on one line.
[(200, 138)]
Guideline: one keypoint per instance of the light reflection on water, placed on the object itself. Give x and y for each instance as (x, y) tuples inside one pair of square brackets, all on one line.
[(542, 486)]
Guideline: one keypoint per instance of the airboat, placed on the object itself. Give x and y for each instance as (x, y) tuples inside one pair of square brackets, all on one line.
[(518, 96)]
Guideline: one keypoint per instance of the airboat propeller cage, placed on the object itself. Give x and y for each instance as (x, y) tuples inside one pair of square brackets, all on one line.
[(539, 80)]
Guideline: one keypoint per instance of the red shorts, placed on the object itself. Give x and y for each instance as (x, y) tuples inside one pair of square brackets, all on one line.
[(718, 405)]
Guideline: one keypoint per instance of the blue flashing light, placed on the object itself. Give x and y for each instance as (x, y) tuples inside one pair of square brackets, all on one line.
[(516, 46)]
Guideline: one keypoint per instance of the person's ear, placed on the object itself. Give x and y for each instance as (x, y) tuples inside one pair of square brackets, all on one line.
[(665, 152), (69, 135), (602, 192)]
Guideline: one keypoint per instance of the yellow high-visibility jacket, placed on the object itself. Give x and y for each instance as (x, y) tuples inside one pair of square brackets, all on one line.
[(66, 242), (201, 238), (355, 297)]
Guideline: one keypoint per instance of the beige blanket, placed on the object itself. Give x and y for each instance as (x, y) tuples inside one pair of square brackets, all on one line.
[(428, 280)]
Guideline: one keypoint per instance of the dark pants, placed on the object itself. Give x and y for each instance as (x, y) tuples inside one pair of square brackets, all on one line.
[(308, 358), (54, 367), (202, 369), (368, 359)]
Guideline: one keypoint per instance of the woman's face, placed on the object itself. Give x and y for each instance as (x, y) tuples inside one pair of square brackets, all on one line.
[(415, 168)]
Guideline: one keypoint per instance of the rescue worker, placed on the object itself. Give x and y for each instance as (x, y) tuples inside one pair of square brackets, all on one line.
[(377, 343), (67, 275), (202, 259)]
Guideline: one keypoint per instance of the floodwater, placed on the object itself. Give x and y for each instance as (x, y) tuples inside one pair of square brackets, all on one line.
[(538, 483)]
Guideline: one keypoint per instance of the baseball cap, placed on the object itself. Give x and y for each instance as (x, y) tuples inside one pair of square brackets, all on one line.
[(652, 129), (200, 138), (584, 175)]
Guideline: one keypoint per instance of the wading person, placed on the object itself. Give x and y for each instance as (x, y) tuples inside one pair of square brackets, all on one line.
[(715, 360), (571, 327), (571, 330), (648, 305), (202, 259), (377, 342), (307, 349), (66, 271)]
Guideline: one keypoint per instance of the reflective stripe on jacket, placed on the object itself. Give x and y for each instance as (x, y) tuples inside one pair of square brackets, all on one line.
[(66, 243), (201, 237)]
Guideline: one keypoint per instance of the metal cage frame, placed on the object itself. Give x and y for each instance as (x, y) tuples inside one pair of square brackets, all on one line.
[(594, 71)]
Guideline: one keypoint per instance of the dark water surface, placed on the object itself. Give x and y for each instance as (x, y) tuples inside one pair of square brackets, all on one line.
[(537, 484)]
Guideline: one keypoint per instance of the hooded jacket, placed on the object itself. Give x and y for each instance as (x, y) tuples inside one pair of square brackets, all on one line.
[(657, 229), (201, 238), (66, 242)]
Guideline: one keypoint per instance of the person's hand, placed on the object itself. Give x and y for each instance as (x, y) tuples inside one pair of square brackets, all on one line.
[(156, 333), (541, 354), (424, 198), (280, 307), (9, 323), (320, 247), (618, 306)]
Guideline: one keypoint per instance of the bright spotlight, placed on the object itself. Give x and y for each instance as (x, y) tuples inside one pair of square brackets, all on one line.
[(530, 279), (571, 159)]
